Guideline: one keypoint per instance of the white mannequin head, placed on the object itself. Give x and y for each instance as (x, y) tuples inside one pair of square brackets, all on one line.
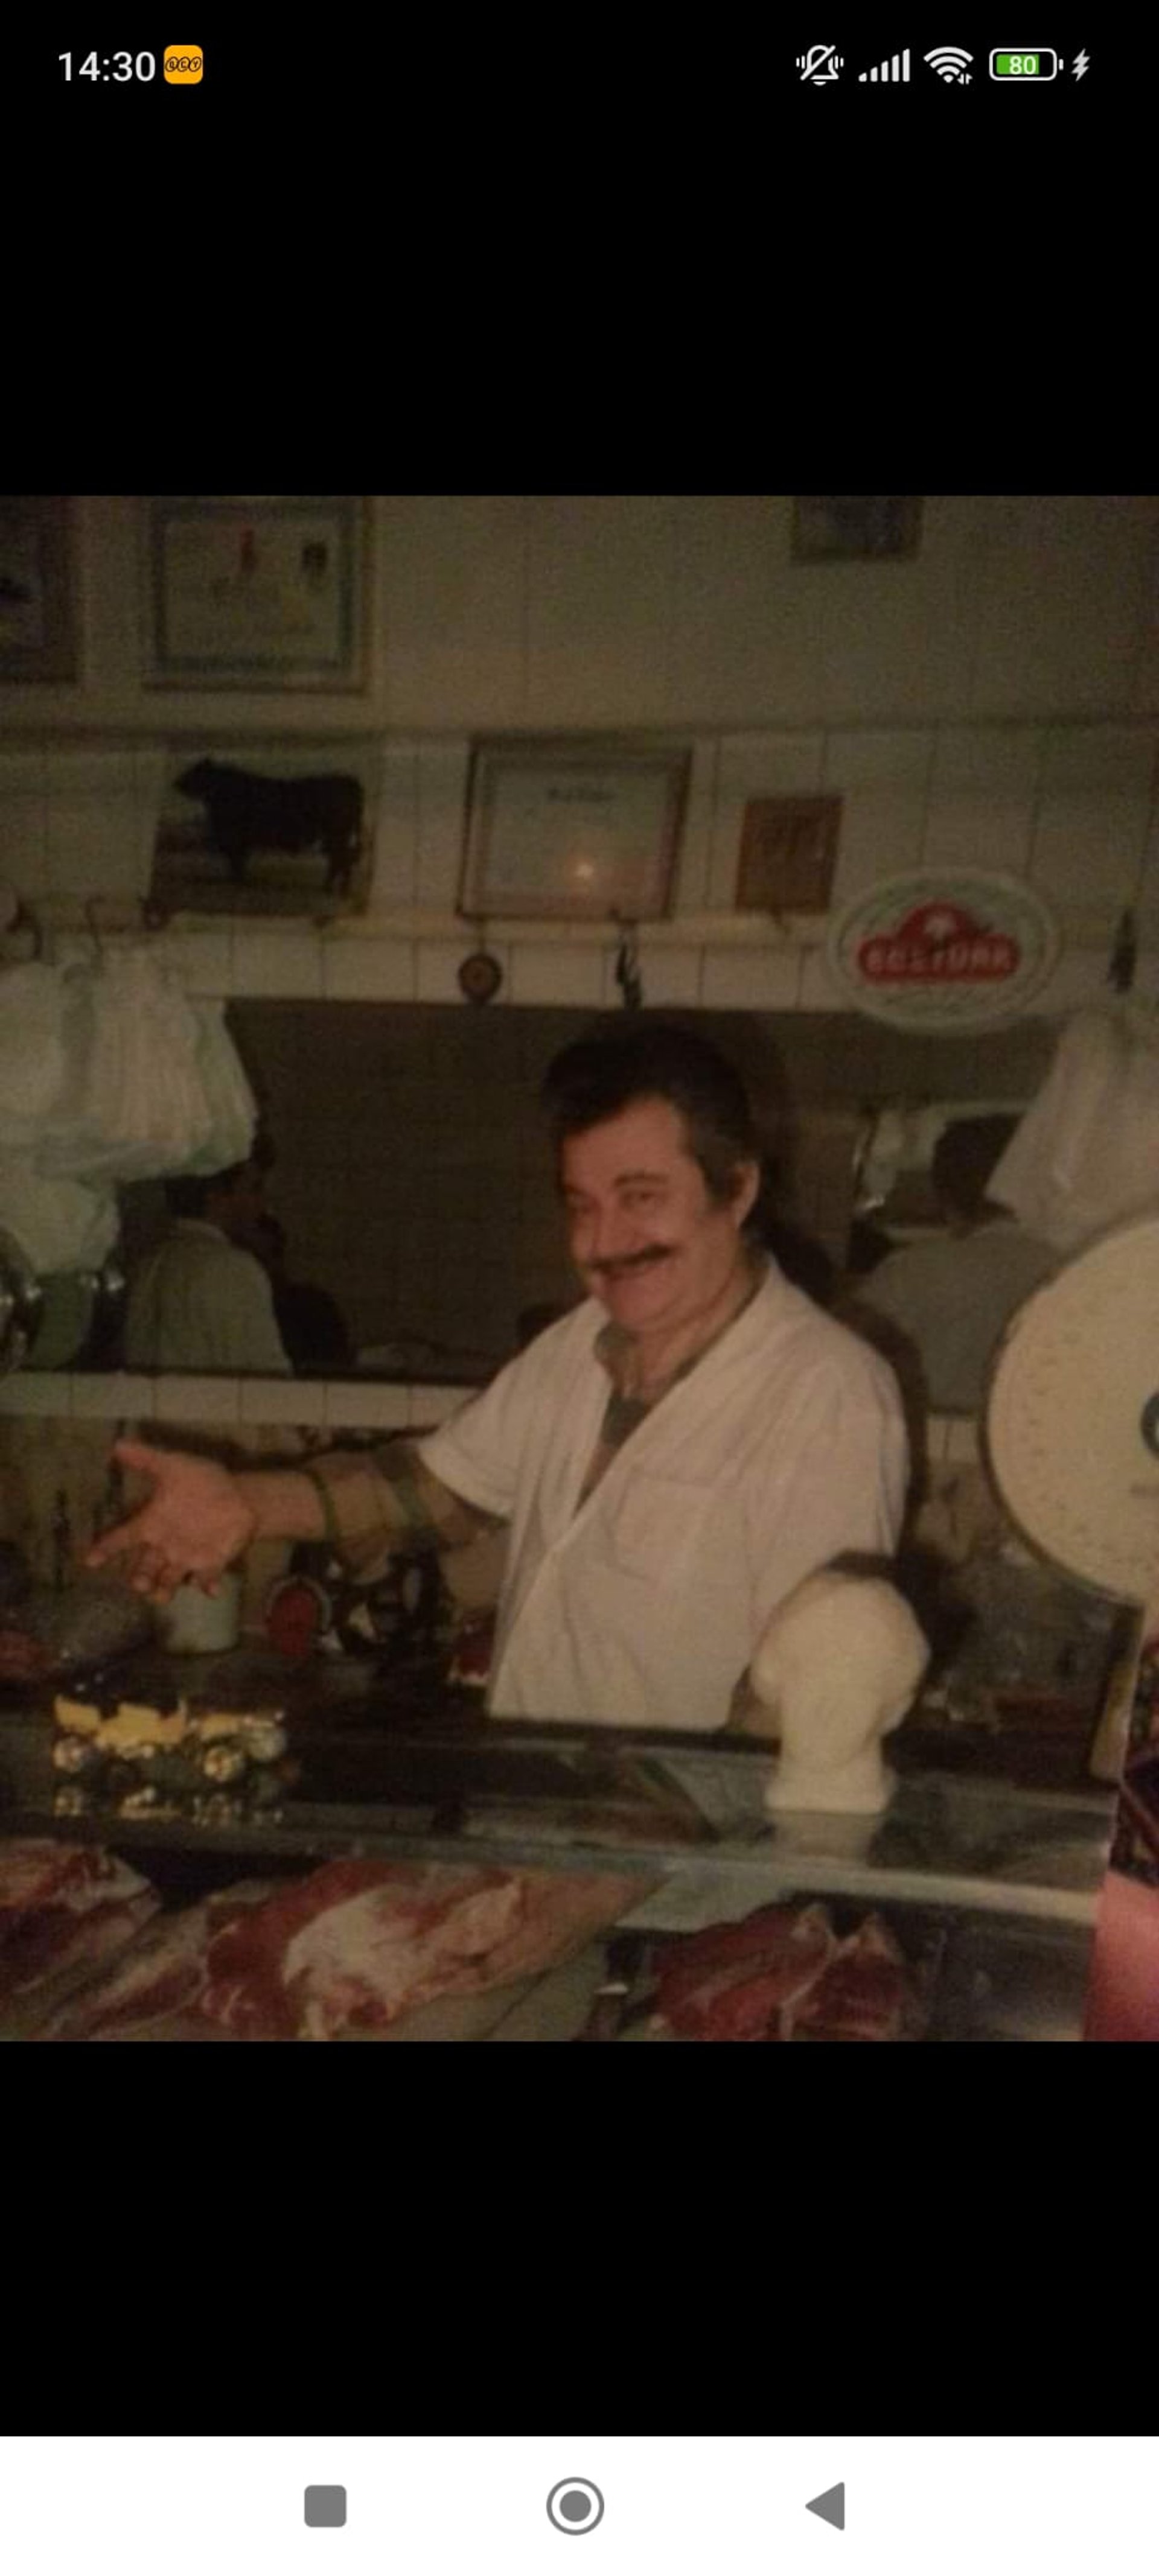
[(839, 1663)]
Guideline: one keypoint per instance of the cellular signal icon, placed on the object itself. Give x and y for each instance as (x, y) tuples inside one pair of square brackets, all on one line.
[(896, 68), (950, 62)]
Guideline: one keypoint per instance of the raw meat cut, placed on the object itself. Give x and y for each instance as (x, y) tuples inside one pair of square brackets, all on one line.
[(864, 1993), (743, 1981), (358, 1943), (61, 1906), (783, 1974), (156, 1989)]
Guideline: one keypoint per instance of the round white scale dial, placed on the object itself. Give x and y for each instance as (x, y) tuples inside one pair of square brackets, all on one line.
[(1071, 1423)]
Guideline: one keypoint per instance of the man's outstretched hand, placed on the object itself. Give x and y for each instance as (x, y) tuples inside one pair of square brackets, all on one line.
[(195, 1522)]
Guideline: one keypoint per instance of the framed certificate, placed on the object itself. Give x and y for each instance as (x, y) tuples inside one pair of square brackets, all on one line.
[(251, 594), (572, 831)]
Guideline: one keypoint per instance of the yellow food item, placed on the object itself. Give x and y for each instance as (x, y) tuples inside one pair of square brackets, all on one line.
[(133, 1724), (130, 1725), (221, 1722), (76, 1716)]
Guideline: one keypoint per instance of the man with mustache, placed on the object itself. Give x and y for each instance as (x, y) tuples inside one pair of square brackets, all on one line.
[(671, 1458)]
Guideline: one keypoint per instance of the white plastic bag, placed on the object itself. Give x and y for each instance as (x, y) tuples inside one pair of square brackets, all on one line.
[(229, 1101), (32, 1052), (143, 1109), (1086, 1154), (110, 1073), (58, 1224)]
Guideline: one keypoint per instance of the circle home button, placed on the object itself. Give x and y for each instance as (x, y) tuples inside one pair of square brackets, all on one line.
[(575, 2506)]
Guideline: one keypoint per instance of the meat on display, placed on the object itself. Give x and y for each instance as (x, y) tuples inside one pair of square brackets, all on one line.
[(359, 1943), (784, 1974), (64, 1906), (157, 1989), (352, 1947)]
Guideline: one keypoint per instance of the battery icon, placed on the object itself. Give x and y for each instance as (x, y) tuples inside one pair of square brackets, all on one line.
[(1040, 66)]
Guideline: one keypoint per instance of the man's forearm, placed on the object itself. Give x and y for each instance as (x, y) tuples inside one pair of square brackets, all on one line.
[(284, 1505), (362, 1504)]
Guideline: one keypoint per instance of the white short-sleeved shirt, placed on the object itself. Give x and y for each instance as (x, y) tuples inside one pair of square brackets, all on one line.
[(201, 1302), (952, 1297), (783, 1446)]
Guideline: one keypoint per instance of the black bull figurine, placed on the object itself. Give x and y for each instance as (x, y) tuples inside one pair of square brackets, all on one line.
[(249, 813)]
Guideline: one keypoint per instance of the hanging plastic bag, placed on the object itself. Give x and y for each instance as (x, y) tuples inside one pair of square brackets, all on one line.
[(229, 1101), (33, 1063), (58, 1224), (1086, 1153), (112, 1073), (143, 1109)]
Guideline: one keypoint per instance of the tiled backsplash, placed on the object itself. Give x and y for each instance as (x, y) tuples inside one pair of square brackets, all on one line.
[(245, 1404), (1069, 804)]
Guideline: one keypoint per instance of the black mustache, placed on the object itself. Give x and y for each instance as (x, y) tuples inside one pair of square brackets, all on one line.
[(636, 1261)]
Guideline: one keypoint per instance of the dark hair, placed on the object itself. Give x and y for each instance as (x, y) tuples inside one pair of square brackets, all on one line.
[(596, 1077), (189, 1193), (964, 1157)]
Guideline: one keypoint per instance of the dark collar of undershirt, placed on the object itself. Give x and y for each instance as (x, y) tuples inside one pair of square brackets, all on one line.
[(624, 1413)]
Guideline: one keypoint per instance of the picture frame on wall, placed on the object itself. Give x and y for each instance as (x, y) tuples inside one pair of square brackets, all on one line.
[(845, 527), (39, 627), (579, 830), (788, 853), (244, 593), (259, 828)]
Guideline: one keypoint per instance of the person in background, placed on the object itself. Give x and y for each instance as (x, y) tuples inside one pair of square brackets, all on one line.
[(937, 1308), (202, 1300), (867, 1247), (672, 1457), (309, 1319)]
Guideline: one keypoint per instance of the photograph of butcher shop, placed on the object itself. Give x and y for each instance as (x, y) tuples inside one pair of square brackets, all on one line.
[(266, 828)]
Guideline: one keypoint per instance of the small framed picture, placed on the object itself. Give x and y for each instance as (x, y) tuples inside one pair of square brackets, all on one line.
[(855, 528), (266, 828), (572, 831), (254, 594), (788, 853), (38, 620)]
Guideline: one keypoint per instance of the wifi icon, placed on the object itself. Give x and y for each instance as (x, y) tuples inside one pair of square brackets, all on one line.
[(949, 61)]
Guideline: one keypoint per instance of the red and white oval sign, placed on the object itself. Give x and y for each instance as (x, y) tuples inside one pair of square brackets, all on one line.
[(952, 949)]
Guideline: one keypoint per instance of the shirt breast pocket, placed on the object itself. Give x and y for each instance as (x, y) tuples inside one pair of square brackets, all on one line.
[(659, 1528)]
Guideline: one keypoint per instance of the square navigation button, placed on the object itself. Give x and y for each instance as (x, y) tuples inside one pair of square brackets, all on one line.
[(326, 2508)]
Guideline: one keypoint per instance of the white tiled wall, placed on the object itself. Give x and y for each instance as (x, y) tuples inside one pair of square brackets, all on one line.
[(342, 1405), (1071, 806), (572, 976), (1092, 822), (988, 703), (764, 981), (984, 787), (286, 963)]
